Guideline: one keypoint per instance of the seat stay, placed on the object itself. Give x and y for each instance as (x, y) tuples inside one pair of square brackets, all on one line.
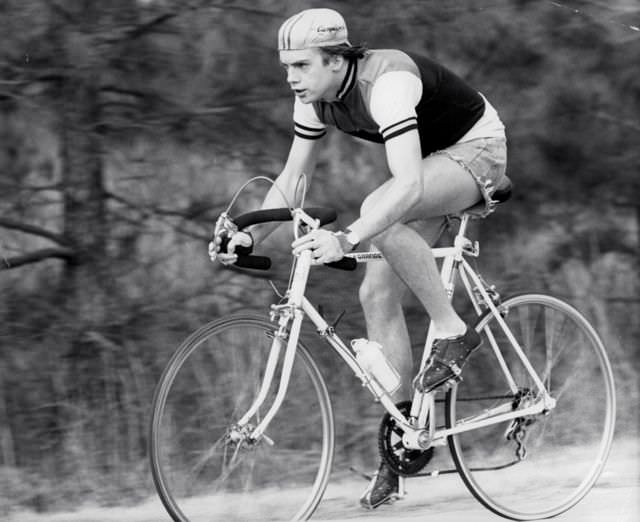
[(476, 302), (507, 331)]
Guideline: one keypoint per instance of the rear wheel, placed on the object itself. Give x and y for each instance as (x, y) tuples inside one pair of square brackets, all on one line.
[(535, 466), (205, 466)]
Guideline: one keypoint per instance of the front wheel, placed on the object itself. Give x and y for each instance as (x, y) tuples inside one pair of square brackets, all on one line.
[(534, 466), (206, 467)]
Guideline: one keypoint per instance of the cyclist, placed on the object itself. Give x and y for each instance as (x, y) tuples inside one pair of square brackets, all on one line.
[(446, 152)]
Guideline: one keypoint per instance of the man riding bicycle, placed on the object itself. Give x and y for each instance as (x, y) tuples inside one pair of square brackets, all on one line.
[(446, 152)]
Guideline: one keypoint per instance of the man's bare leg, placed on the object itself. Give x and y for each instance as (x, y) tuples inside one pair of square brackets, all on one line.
[(448, 188), (381, 295), (412, 260)]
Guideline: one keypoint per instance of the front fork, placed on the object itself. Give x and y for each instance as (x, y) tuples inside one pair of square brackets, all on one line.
[(290, 317), (286, 335)]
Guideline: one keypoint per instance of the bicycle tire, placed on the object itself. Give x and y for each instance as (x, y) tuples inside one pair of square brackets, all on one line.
[(209, 382), (565, 450)]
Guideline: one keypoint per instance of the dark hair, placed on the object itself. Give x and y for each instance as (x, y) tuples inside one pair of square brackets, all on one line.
[(347, 51)]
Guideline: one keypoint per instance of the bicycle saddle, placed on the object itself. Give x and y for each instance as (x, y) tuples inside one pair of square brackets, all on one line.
[(504, 190)]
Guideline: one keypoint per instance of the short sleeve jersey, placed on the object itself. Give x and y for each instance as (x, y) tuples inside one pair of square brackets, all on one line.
[(387, 93)]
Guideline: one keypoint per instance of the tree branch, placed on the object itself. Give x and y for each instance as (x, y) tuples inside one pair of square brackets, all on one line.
[(64, 13), (248, 10), (34, 230), (231, 105), (146, 27), (617, 120), (36, 256), (192, 213), (31, 188), (123, 91)]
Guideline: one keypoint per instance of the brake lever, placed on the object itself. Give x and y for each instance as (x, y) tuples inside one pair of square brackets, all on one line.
[(225, 228), (224, 224)]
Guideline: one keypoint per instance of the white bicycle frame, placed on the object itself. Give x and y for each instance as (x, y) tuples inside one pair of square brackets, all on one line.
[(420, 430)]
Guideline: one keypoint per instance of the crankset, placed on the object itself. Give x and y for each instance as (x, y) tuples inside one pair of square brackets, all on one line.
[(401, 460)]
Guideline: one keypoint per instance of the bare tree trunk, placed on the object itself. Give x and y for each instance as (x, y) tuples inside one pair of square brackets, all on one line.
[(85, 222), (7, 447)]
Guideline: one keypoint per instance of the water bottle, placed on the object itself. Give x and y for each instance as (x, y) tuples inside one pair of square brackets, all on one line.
[(369, 355)]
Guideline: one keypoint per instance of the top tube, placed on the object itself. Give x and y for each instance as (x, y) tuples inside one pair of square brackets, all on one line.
[(316, 217)]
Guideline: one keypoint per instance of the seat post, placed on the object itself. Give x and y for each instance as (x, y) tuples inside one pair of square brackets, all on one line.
[(462, 227)]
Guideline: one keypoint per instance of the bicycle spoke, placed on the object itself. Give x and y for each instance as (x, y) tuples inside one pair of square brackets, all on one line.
[(560, 452), (208, 467), (200, 463), (568, 382)]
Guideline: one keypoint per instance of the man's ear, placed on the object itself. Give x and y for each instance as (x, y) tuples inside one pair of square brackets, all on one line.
[(335, 62)]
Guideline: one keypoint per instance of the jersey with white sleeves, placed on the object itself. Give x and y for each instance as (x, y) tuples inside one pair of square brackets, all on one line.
[(387, 93)]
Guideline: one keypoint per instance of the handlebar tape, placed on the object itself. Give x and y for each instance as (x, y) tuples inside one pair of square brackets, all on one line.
[(255, 262), (324, 214)]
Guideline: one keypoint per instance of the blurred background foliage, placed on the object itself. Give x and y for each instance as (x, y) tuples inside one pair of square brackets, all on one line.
[(125, 128)]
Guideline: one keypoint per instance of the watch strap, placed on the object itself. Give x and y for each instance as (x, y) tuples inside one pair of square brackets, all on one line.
[(346, 242), (352, 238)]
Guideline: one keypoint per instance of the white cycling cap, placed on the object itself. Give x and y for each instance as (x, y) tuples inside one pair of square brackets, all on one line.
[(312, 28)]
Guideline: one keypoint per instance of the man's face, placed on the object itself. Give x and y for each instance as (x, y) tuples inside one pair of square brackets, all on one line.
[(307, 74)]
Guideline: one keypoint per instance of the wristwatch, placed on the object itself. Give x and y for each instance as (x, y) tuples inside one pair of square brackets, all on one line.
[(349, 240)]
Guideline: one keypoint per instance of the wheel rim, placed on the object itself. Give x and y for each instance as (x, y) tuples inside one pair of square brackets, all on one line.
[(566, 448), (204, 468)]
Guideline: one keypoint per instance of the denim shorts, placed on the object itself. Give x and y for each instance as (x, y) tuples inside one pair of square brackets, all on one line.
[(486, 160)]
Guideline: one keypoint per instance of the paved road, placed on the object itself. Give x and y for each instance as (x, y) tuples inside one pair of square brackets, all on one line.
[(606, 503), (616, 498)]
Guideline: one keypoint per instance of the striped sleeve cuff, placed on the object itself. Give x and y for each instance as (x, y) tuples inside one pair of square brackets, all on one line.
[(398, 128), (308, 133)]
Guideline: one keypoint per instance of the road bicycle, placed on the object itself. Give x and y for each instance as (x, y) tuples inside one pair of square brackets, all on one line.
[(242, 425)]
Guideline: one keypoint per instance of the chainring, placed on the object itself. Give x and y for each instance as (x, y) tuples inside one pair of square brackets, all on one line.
[(401, 460)]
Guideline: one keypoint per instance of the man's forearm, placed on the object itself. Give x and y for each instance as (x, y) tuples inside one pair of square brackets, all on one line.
[(398, 201), (401, 194), (273, 199)]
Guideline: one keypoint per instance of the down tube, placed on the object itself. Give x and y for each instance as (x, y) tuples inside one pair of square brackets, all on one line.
[(327, 333)]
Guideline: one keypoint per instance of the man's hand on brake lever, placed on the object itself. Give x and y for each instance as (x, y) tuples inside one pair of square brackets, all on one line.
[(239, 239)]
